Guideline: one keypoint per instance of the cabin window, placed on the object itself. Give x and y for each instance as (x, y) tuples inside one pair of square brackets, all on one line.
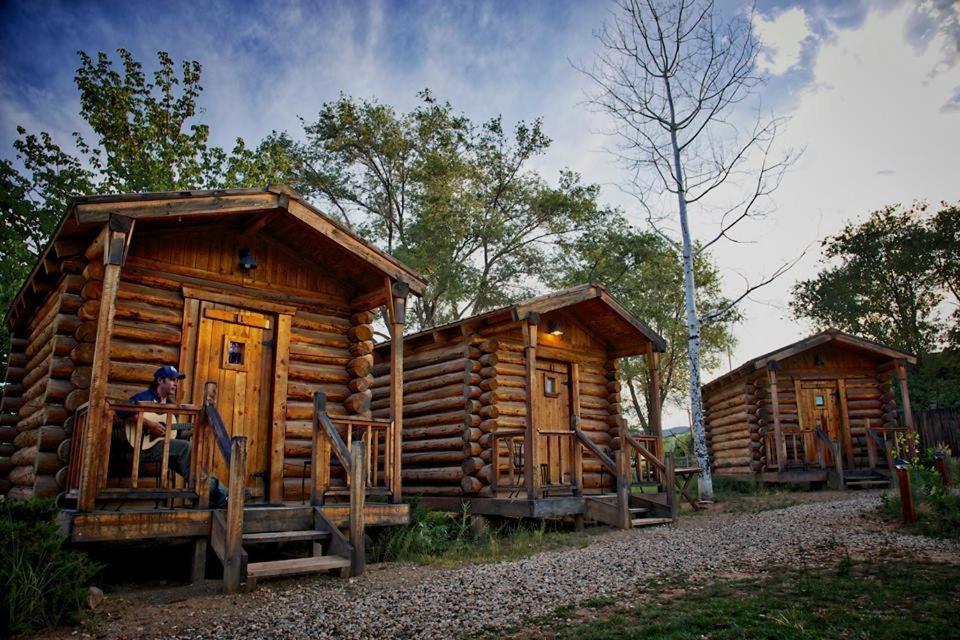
[(819, 401), (551, 388), (234, 354)]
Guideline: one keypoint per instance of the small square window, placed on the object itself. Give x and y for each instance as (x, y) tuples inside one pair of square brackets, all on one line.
[(550, 386), (235, 352), (819, 401)]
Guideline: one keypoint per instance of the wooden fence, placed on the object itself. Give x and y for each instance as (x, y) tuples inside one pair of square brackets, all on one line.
[(939, 425)]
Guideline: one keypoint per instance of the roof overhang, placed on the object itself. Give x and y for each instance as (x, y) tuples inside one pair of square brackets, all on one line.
[(811, 342), (90, 212)]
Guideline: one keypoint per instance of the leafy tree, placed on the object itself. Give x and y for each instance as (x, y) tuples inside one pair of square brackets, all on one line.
[(883, 279), (945, 228), (645, 273), (455, 200), (147, 138)]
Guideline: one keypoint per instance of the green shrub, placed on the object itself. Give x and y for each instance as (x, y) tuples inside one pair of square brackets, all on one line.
[(937, 507), (42, 583), (429, 533)]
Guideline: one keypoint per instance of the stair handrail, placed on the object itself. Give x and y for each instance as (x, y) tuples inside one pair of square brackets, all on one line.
[(648, 455), (592, 447), (835, 449), (325, 438)]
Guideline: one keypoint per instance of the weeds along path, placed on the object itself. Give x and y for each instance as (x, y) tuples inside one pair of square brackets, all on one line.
[(416, 602)]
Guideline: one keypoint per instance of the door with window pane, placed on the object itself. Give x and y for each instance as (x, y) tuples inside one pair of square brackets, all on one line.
[(819, 408), (234, 349)]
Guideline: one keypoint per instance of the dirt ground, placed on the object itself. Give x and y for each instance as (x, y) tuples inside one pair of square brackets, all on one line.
[(143, 604)]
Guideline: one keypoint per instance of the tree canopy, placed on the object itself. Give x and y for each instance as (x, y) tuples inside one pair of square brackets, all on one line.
[(890, 278), (645, 273), (147, 138), (454, 199)]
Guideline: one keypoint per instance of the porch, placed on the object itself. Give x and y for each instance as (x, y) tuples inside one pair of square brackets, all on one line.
[(352, 484)]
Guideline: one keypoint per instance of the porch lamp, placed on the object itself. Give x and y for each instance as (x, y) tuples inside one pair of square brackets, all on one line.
[(553, 328), (247, 261)]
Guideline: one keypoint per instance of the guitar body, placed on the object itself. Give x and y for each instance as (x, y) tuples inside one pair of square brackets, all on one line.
[(149, 440)]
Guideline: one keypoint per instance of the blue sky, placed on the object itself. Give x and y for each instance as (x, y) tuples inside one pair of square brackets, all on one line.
[(872, 90)]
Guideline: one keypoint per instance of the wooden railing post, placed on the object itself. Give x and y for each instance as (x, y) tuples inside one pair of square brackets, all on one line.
[(577, 455), (233, 569), (358, 491), (623, 484), (777, 428), (670, 484), (320, 453), (940, 461), (871, 446)]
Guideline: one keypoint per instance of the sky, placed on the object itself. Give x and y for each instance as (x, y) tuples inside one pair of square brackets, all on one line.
[(870, 92)]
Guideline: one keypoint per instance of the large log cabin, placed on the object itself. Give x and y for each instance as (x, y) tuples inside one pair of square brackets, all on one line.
[(480, 391), (820, 410), (266, 305)]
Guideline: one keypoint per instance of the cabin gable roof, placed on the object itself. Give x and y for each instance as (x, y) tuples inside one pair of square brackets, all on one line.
[(829, 336), (593, 307), (86, 214)]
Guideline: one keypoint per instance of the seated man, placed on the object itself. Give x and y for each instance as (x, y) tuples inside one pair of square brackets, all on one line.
[(163, 389)]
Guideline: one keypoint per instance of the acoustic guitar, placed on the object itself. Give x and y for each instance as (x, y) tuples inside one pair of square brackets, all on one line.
[(150, 440)]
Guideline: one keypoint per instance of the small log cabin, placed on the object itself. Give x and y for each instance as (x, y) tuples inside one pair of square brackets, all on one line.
[(819, 410), (545, 371), (264, 303)]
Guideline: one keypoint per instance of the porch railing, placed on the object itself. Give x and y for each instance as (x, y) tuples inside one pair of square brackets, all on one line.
[(122, 431), (796, 443), (333, 438)]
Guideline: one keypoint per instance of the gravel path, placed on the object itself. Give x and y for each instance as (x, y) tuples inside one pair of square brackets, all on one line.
[(416, 602)]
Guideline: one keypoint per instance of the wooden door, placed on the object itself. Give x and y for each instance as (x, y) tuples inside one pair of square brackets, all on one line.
[(551, 410), (235, 350), (819, 402)]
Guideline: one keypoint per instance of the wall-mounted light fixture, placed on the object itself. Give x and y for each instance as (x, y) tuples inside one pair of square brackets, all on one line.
[(554, 328), (818, 360), (247, 261)]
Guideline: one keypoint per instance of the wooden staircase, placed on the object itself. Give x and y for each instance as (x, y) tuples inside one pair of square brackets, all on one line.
[(263, 525), (866, 479), (643, 511)]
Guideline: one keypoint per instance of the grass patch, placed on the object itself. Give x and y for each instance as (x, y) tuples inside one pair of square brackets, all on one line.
[(893, 599), (436, 537), (42, 583), (749, 496)]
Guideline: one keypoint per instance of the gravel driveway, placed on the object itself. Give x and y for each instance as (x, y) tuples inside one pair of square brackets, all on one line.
[(419, 602)]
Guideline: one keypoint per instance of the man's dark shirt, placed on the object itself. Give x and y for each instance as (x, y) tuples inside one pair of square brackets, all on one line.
[(147, 395)]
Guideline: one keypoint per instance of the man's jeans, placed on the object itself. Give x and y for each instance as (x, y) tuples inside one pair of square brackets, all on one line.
[(179, 461)]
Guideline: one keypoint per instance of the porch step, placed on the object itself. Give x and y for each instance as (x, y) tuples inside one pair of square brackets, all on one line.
[(284, 536), (647, 522), (867, 483), (295, 566), (639, 510)]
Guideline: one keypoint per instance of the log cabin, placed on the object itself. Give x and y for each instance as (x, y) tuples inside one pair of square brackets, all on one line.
[(820, 410), (267, 306), (517, 411)]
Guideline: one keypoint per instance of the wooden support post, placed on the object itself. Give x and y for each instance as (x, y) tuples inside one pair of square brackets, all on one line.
[(623, 485), (97, 436), (940, 461), (233, 569), (531, 457), (358, 491), (891, 463), (871, 446), (279, 423), (576, 453), (846, 438), (320, 453), (905, 396), (654, 419), (198, 561), (399, 291), (670, 482), (906, 495), (777, 428)]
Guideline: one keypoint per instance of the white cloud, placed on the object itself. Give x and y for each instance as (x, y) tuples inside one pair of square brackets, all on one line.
[(782, 37)]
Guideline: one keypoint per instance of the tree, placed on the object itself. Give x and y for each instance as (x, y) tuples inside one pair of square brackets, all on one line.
[(886, 279), (455, 200), (641, 268), (147, 139), (671, 74)]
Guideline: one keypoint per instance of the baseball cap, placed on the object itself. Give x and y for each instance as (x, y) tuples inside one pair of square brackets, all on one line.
[(168, 372)]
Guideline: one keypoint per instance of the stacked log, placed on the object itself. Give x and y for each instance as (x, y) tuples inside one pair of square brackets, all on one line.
[(442, 412), (42, 364), (360, 336), (321, 353), (869, 401), (734, 416), (10, 403)]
